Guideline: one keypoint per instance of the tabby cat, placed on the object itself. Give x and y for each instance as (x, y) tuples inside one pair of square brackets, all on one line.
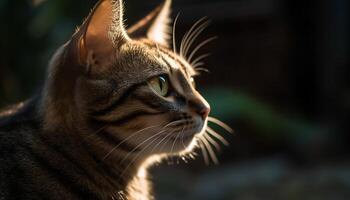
[(114, 101)]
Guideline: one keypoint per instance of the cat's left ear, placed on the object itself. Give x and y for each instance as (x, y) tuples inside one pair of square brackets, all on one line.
[(155, 25), (101, 35)]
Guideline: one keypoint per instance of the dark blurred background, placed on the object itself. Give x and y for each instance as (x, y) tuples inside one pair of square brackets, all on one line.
[(279, 75)]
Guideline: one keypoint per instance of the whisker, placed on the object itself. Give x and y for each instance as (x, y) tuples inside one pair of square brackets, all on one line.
[(217, 136), (165, 138), (161, 131), (139, 145), (197, 65), (184, 159), (221, 124), (184, 38), (174, 32), (204, 151), (182, 140), (200, 46), (172, 147), (138, 155), (96, 132), (194, 36), (202, 69), (175, 122), (130, 136), (192, 156), (211, 152), (213, 142), (187, 34), (199, 58)]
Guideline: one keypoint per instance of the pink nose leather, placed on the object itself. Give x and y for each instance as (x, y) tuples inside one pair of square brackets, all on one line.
[(204, 112)]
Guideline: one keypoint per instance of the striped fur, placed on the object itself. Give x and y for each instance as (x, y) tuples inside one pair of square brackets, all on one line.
[(97, 125)]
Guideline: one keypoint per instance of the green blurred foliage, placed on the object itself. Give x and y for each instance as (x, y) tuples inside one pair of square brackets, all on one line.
[(29, 35), (230, 104), (263, 123)]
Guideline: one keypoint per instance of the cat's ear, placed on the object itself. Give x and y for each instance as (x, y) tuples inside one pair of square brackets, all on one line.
[(155, 25), (102, 34)]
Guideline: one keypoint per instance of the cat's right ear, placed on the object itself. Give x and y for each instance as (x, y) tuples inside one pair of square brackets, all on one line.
[(155, 26), (99, 38)]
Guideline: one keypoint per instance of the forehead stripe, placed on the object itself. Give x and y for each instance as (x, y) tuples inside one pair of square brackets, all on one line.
[(169, 65), (170, 61), (167, 54)]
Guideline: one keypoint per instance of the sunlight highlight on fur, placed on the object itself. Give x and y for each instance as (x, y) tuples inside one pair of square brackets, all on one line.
[(159, 32)]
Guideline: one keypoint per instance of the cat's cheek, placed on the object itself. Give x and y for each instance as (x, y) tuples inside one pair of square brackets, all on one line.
[(158, 121)]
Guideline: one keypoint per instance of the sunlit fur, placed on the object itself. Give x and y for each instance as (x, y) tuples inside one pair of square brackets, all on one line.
[(98, 122)]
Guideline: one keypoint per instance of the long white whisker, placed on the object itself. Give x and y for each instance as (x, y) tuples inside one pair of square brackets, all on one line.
[(199, 58), (202, 69), (211, 152), (204, 151), (138, 154), (184, 38), (126, 139), (134, 149), (97, 131), (158, 144), (220, 123), (195, 66), (165, 138), (213, 142), (217, 136), (172, 147), (194, 36), (200, 46), (169, 124), (160, 132), (182, 140)]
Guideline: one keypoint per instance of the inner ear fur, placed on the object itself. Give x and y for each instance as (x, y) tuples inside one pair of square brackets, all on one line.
[(155, 26), (101, 35)]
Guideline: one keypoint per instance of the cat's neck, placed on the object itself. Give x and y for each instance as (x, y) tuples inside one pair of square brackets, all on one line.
[(115, 176), (139, 187), (130, 170)]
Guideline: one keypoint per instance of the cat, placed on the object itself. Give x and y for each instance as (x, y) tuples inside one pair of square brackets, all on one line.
[(115, 100)]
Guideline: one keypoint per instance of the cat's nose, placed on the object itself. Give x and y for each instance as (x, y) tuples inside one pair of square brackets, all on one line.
[(204, 112), (202, 108)]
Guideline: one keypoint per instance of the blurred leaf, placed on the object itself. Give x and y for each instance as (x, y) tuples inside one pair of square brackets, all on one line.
[(232, 105), (47, 14)]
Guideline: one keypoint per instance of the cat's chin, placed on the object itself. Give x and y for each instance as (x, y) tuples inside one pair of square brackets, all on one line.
[(180, 146), (184, 143)]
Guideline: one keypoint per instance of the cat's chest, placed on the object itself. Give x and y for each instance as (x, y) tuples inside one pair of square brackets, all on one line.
[(139, 188)]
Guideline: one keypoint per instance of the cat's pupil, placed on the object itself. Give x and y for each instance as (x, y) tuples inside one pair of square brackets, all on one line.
[(161, 82)]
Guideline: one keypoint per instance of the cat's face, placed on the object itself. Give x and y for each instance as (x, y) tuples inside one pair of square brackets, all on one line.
[(138, 90), (153, 104)]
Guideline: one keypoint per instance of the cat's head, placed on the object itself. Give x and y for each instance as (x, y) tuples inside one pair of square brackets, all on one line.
[(128, 85)]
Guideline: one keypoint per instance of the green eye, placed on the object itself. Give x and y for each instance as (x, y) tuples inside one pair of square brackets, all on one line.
[(160, 85)]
